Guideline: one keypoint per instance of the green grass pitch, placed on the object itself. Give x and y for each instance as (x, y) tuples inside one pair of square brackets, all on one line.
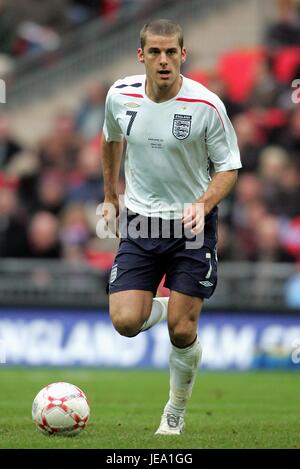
[(227, 410)]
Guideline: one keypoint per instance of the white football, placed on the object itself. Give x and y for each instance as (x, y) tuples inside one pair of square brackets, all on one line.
[(60, 408)]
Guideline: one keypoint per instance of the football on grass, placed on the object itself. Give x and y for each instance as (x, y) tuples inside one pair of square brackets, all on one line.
[(61, 409)]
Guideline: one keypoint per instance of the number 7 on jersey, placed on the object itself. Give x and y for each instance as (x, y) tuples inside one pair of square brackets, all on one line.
[(133, 116)]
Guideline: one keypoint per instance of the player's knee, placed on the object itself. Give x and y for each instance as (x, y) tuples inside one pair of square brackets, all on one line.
[(183, 333), (125, 324)]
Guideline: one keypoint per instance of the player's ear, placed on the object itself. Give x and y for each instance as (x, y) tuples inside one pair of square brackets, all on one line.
[(140, 55), (183, 55)]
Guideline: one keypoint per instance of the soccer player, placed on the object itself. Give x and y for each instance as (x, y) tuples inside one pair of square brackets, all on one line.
[(175, 129)]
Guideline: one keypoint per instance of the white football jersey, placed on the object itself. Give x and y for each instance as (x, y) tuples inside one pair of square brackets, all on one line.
[(169, 145)]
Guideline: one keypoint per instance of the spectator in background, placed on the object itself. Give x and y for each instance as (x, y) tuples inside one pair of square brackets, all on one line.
[(286, 199), (218, 86), (290, 135), (266, 90), (35, 40), (86, 183), (75, 229), (110, 8), (290, 236), (268, 242), (9, 145), (60, 149), (12, 227), (90, 117), (24, 169), (224, 242), (52, 14), (272, 163), (248, 140), (9, 20), (42, 241), (50, 193), (286, 30), (39, 25), (247, 210), (244, 241), (81, 11)]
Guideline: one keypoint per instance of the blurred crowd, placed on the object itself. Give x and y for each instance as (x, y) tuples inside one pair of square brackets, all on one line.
[(49, 193), (33, 27)]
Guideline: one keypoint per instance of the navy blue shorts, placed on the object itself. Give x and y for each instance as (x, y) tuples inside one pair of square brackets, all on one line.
[(141, 263)]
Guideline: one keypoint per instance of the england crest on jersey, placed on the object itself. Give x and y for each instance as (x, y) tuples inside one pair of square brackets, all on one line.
[(181, 126)]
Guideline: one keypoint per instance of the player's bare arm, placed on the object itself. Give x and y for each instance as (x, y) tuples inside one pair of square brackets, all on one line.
[(219, 187), (111, 162)]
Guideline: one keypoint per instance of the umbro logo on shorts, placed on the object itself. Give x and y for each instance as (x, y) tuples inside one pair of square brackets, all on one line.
[(206, 283), (113, 273)]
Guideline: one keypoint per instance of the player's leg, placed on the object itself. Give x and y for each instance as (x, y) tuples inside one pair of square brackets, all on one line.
[(185, 356), (158, 313), (135, 277), (135, 311), (129, 310), (191, 277)]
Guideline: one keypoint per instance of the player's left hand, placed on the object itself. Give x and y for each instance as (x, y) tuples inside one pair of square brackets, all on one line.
[(193, 217)]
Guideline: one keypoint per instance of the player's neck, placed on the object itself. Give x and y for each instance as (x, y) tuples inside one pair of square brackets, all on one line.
[(158, 94)]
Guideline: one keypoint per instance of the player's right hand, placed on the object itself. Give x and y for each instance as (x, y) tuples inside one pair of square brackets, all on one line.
[(110, 213), (193, 217)]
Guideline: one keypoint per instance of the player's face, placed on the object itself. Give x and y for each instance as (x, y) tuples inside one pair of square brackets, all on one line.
[(162, 57)]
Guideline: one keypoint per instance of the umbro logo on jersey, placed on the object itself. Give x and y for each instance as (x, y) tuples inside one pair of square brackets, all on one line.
[(206, 283), (132, 105), (181, 126)]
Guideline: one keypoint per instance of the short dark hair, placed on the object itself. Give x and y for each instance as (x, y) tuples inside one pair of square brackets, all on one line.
[(161, 28)]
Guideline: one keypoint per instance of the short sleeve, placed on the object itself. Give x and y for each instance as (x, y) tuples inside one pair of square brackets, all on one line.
[(111, 129), (221, 140)]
